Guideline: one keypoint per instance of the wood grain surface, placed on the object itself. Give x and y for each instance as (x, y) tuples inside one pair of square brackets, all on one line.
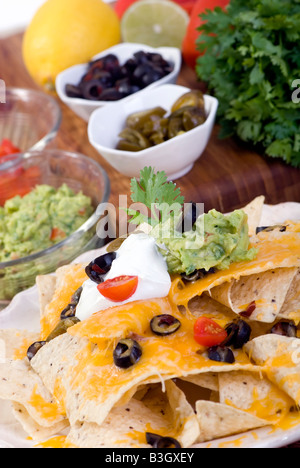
[(227, 175)]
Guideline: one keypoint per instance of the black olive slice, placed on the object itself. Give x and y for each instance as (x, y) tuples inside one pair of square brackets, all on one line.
[(73, 91), (221, 354), (196, 275), (157, 441), (285, 328), (238, 334), (280, 228), (91, 89), (100, 266), (34, 348), (127, 353), (164, 324)]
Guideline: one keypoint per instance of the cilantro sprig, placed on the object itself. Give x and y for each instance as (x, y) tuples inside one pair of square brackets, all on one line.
[(161, 198), (251, 58)]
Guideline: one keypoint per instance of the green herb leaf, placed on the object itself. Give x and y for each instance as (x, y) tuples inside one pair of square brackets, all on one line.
[(162, 198)]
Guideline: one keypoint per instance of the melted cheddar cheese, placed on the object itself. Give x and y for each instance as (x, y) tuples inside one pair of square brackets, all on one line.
[(273, 252), (94, 373)]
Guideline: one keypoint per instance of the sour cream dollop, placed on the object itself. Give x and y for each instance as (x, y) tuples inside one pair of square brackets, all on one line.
[(137, 256)]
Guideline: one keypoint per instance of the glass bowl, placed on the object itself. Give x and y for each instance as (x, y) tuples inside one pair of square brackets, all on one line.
[(52, 167), (30, 119)]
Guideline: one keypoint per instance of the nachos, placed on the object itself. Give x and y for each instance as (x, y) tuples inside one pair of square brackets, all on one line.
[(133, 352)]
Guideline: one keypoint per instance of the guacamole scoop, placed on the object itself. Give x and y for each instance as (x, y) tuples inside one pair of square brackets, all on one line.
[(40, 220), (215, 241)]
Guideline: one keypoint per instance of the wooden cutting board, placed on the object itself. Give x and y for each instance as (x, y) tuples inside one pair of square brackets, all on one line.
[(227, 176)]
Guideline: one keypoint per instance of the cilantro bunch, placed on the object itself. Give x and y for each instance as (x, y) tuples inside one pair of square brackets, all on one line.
[(251, 62)]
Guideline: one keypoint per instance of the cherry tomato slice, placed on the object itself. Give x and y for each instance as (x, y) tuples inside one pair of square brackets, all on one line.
[(208, 333), (119, 289)]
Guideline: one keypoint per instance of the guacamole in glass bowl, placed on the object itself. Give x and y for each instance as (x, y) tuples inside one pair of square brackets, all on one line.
[(52, 222), (40, 219)]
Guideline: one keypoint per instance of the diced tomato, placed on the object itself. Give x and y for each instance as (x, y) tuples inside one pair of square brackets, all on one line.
[(189, 46), (33, 172), (7, 147), (18, 182), (119, 289), (56, 234), (208, 333)]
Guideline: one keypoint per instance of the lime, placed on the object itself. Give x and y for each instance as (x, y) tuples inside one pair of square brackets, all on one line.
[(156, 23)]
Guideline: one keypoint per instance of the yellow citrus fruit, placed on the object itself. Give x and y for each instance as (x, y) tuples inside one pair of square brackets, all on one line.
[(64, 33)]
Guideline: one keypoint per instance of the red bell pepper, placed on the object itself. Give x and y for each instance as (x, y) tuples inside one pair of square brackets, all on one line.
[(189, 46)]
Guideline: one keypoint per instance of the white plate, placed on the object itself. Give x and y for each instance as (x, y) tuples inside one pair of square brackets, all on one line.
[(23, 313)]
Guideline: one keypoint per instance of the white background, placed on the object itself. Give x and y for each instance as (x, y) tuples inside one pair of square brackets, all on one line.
[(15, 15)]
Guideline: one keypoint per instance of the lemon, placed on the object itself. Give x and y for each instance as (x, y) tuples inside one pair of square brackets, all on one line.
[(156, 23), (67, 32)]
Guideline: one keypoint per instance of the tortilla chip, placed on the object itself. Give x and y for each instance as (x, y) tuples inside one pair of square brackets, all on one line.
[(166, 414), (254, 393), (183, 417), (279, 356), (67, 366), (19, 383), (254, 211), (207, 380), (266, 291), (68, 279), (291, 306), (46, 285), (32, 428), (14, 342), (206, 305), (78, 367), (275, 250), (217, 420)]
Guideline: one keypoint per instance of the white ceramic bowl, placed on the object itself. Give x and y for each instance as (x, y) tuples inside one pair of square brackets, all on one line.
[(176, 156), (83, 107)]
